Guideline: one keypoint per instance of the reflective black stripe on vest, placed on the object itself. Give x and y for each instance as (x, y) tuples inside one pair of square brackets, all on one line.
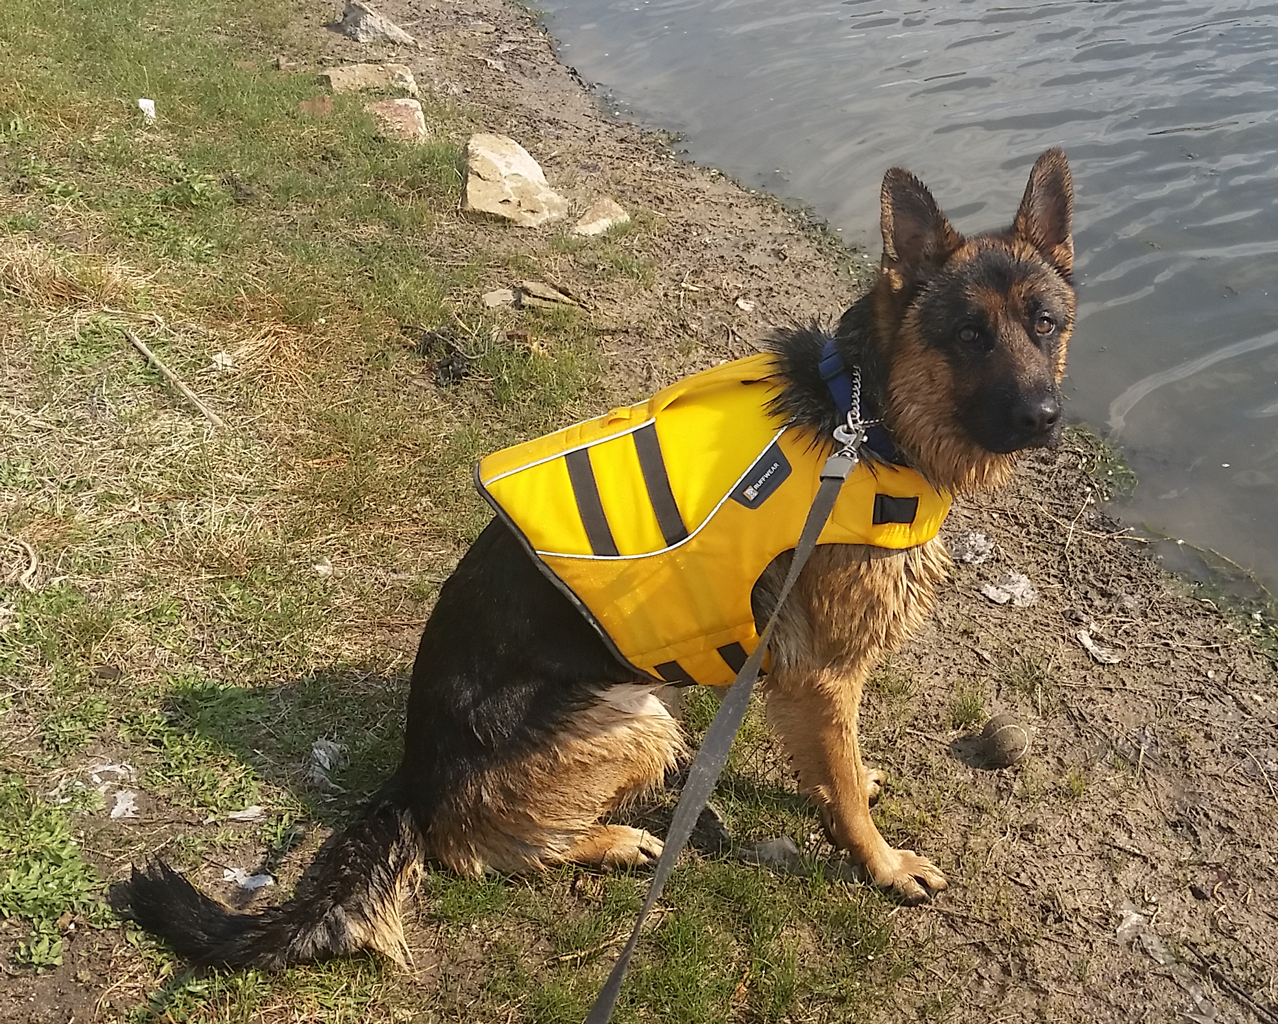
[(673, 672), (734, 656), (586, 491), (648, 448)]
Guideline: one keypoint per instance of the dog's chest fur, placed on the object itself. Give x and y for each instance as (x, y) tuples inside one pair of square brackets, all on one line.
[(852, 604)]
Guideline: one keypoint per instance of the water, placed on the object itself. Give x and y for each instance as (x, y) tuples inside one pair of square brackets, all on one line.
[(1169, 114)]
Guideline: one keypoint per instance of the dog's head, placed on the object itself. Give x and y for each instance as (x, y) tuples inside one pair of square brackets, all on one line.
[(973, 331)]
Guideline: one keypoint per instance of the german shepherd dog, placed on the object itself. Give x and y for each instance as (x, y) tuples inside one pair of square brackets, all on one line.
[(524, 730)]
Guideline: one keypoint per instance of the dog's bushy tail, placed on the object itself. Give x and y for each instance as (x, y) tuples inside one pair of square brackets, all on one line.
[(348, 901)]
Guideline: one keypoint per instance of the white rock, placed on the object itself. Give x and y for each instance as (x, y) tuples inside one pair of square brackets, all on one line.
[(499, 297), (602, 215), (363, 24), (505, 181), (369, 77), (325, 756), (400, 119)]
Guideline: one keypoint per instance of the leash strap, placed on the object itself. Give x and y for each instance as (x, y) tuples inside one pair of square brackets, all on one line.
[(710, 759)]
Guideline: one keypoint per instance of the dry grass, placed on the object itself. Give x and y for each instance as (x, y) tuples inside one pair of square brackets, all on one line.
[(40, 276)]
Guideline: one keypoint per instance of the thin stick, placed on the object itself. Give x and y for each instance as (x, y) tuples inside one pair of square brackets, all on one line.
[(25, 576), (172, 378)]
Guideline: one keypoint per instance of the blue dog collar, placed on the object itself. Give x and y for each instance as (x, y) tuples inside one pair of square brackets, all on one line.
[(839, 382)]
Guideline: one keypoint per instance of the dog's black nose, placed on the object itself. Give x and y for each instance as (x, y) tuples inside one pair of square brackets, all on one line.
[(1036, 415)]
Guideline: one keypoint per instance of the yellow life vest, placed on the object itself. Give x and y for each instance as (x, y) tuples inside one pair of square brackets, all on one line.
[(657, 519)]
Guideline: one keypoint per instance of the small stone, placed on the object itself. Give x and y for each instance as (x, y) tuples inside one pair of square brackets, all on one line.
[(1004, 742), (364, 24), (780, 854), (370, 77), (710, 834), (326, 755), (316, 106), (602, 215), (499, 297), (126, 804), (246, 881), (400, 119), (504, 180)]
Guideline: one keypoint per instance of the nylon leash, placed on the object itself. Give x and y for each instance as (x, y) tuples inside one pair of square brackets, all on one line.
[(713, 755)]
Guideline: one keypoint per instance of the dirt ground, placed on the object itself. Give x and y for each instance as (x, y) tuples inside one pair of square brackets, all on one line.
[(1125, 871)]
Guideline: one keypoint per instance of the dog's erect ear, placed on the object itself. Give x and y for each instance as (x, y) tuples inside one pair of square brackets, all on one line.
[(916, 236), (1046, 209)]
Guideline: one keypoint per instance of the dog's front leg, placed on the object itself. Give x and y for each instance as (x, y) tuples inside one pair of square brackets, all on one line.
[(815, 716)]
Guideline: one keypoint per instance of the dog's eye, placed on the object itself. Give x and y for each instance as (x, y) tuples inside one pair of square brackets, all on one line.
[(1044, 325), (969, 334)]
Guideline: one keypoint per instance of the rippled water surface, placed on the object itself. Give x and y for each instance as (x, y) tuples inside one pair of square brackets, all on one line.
[(1169, 114)]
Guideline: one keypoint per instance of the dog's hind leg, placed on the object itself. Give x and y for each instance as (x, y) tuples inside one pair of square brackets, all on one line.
[(543, 807)]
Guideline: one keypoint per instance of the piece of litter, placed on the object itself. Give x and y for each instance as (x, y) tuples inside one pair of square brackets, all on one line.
[(246, 881), (325, 756), (126, 804), (147, 107), (745, 304), (1103, 655), (1013, 587), (971, 547), (250, 813), (122, 770), (323, 566), (223, 362)]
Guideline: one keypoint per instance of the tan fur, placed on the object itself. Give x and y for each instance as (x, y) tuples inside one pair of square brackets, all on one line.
[(543, 808), (852, 605), (380, 927), (921, 388)]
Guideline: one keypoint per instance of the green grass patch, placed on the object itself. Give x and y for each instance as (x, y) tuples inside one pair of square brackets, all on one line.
[(44, 879)]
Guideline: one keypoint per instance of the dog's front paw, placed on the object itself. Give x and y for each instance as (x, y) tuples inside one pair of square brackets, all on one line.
[(915, 879)]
